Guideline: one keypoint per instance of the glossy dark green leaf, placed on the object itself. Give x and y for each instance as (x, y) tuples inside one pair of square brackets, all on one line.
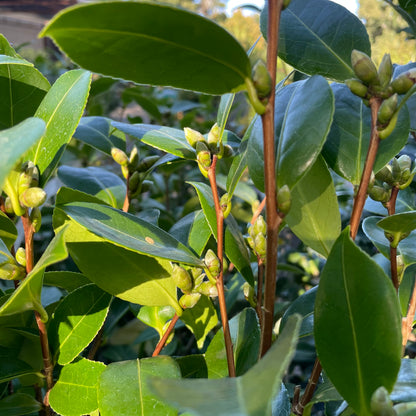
[(234, 245), (19, 404), (195, 53), (99, 182), (346, 147), (61, 109), (245, 336), (406, 247), (11, 366), (75, 392), (192, 366), (97, 132), (124, 273), (318, 37), (249, 395), (193, 231), (314, 215), (8, 231), (68, 281), (164, 138), (136, 398), (22, 87), (136, 94), (402, 223), (224, 110), (76, 321), (201, 319), (156, 317), (14, 143), (304, 306), (130, 232), (353, 286), (28, 295)]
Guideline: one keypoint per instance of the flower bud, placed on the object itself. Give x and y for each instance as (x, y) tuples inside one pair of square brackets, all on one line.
[(189, 300), (249, 294), (259, 226), (260, 246), (284, 199), (134, 182), (404, 81), (147, 163), (21, 256), (405, 162), (213, 263), (36, 219), (11, 271), (29, 177), (208, 289), (250, 242), (364, 67), (384, 133), (119, 156), (125, 171), (134, 158), (387, 109), (357, 87), (385, 70), (214, 137), (193, 136), (182, 279), (8, 206), (203, 157), (385, 175), (381, 405), (404, 408), (32, 197), (379, 193), (146, 185), (285, 4), (396, 170), (261, 79), (225, 204)]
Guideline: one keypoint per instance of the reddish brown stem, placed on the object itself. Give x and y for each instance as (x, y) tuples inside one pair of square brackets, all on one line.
[(391, 208), (310, 388), (361, 196), (273, 219), (407, 323), (258, 211), (260, 278), (220, 278), (165, 336)]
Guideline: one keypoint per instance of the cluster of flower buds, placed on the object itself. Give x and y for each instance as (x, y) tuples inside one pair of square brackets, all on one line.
[(193, 283), (207, 147), (398, 173), (13, 269), (134, 170), (22, 190), (257, 238), (371, 82)]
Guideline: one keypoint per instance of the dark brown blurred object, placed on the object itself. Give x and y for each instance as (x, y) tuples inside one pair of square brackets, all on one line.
[(44, 8)]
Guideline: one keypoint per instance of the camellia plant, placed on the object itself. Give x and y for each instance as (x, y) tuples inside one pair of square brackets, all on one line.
[(339, 119)]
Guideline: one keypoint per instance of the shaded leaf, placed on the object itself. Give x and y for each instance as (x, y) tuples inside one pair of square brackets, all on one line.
[(353, 286), (219, 63), (19, 404), (156, 317), (402, 223), (136, 94), (12, 367), (68, 281), (193, 366), (8, 231)]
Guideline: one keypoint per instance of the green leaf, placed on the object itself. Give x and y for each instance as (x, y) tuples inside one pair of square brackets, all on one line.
[(406, 287), (156, 317), (163, 138), (27, 295), (61, 109), (356, 303), (95, 181), (304, 306), (249, 395), (126, 274), (75, 392), (136, 398), (234, 245), (406, 247), (68, 281), (194, 52), (237, 168), (346, 147), (14, 142), (8, 231), (22, 87), (12, 367), (193, 231), (201, 319), (128, 231), (318, 37), (192, 366), (245, 336), (400, 224), (76, 321), (19, 404), (314, 215), (224, 111), (97, 132)]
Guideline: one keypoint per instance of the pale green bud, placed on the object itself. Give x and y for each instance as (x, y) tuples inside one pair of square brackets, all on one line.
[(193, 136), (11, 271), (32, 197), (357, 87), (260, 246), (381, 405), (213, 263), (261, 79), (249, 294), (364, 67), (250, 242), (225, 204), (208, 289), (214, 137), (21, 256), (379, 193), (8, 206), (405, 162), (387, 109), (134, 158), (396, 170), (404, 81), (403, 408), (284, 199), (29, 177), (119, 156), (385, 70), (385, 175), (189, 300), (36, 219), (259, 226), (182, 279), (125, 171)]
